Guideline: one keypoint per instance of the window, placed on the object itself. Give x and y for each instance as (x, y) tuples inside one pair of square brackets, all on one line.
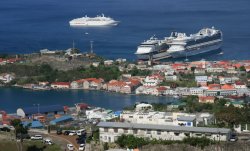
[(148, 132), (140, 117), (198, 134), (130, 117), (106, 129), (176, 134), (158, 132), (135, 131), (116, 130), (187, 134), (125, 130), (208, 134)]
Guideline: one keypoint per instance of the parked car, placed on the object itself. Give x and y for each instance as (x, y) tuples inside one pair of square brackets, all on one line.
[(70, 147), (233, 138), (59, 131), (37, 137), (66, 132), (81, 147), (47, 142), (80, 132), (6, 129), (72, 133)]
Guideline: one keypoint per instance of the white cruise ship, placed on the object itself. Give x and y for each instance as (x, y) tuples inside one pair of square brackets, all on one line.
[(154, 49), (206, 40), (94, 21)]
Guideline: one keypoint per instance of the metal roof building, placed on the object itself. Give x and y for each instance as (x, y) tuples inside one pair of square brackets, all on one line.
[(33, 124), (163, 127), (61, 119), (28, 111)]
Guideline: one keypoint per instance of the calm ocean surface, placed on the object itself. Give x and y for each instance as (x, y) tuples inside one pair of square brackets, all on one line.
[(13, 98), (29, 25)]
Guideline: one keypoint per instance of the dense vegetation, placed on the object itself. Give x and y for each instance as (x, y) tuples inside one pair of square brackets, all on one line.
[(44, 72), (131, 141), (137, 72)]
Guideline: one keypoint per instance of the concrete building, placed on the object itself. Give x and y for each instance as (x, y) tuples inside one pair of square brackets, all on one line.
[(167, 118), (110, 131)]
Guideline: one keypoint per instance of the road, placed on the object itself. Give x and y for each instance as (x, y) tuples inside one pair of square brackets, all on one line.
[(70, 140)]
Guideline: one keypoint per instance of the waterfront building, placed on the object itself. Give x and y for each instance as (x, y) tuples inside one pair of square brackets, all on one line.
[(110, 131), (61, 120), (6, 78), (45, 110), (143, 107), (60, 85), (78, 84)]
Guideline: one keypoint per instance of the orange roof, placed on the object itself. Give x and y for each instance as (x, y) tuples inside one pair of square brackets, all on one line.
[(206, 97), (227, 87), (134, 82), (61, 83), (237, 65), (214, 86), (117, 83), (161, 88)]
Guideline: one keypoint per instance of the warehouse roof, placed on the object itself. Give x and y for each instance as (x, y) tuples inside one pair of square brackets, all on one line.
[(61, 119), (163, 127), (34, 124), (42, 109)]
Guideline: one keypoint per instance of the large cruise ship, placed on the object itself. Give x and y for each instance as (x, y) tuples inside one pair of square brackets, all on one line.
[(94, 21), (153, 48), (206, 40)]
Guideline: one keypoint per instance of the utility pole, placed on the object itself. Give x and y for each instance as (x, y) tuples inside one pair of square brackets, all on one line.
[(73, 47), (91, 47)]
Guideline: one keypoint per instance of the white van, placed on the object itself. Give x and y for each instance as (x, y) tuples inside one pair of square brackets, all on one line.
[(80, 132)]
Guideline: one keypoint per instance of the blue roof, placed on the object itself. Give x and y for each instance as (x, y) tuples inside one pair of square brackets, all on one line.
[(117, 113), (61, 119), (43, 109), (34, 124)]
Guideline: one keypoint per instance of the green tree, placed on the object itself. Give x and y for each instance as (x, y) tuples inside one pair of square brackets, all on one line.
[(19, 128)]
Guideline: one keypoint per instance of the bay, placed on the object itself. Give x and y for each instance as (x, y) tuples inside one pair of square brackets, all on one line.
[(13, 98)]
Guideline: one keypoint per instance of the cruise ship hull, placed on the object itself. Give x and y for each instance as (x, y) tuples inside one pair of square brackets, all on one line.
[(197, 51), (89, 24), (155, 56)]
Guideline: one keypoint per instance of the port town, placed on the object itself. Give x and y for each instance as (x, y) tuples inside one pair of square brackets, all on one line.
[(210, 101), (124, 75)]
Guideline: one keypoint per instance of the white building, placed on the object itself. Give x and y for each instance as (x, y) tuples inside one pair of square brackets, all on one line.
[(152, 80), (6, 78), (167, 118), (108, 62), (110, 131), (196, 91), (144, 107)]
